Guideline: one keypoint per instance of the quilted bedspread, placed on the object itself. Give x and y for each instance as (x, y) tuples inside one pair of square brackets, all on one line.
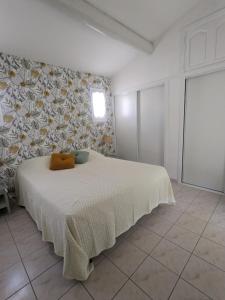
[(82, 210)]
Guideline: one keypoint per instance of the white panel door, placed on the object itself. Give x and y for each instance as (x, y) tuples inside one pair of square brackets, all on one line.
[(204, 132), (151, 126), (126, 126)]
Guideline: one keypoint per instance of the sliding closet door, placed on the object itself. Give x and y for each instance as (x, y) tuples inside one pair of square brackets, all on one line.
[(204, 132), (151, 128), (126, 126)]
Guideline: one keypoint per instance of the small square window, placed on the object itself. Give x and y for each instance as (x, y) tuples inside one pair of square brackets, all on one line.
[(98, 105)]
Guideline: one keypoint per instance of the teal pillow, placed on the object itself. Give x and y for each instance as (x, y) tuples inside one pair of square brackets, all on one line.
[(81, 157)]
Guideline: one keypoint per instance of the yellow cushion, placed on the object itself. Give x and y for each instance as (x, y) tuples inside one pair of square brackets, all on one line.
[(61, 161)]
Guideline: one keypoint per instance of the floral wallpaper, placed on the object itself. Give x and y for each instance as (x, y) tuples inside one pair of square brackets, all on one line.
[(44, 108)]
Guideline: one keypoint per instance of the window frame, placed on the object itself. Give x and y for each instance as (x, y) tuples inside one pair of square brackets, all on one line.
[(96, 119)]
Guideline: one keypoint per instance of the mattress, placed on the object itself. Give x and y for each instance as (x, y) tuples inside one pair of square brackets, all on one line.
[(82, 210)]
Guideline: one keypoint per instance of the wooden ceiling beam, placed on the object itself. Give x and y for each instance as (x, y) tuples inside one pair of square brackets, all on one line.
[(103, 23)]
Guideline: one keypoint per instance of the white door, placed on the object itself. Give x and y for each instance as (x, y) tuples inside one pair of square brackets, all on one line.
[(204, 132), (126, 126), (151, 126)]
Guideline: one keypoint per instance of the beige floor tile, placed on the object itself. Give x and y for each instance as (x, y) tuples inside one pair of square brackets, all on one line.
[(218, 219), (3, 226), (185, 197), (200, 211), (169, 212), (11, 280), (121, 238), (191, 223), (209, 196), (144, 239), (182, 205), (25, 293), (189, 191), (16, 211), (205, 277), (105, 281), (215, 233), (151, 276), (8, 256), (221, 206), (40, 260), (6, 239), (96, 260), (124, 235), (77, 292), (212, 252), (22, 232), (127, 257), (219, 214), (176, 186), (131, 292), (182, 237), (184, 291), (176, 193), (207, 203), (170, 255), (155, 279), (51, 285), (110, 250), (18, 220), (30, 244), (156, 224)]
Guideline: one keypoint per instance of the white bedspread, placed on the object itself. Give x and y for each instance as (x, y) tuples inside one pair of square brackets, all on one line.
[(82, 210)]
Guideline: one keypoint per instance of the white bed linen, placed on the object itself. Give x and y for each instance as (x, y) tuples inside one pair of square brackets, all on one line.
[(82, 210)]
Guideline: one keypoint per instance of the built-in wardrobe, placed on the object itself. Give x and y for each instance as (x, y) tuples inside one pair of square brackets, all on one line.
[(203, 123), (181, 123), (140, 125), (204, 132)]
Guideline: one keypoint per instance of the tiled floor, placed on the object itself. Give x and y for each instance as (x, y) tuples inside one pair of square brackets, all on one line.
[(176, 253)]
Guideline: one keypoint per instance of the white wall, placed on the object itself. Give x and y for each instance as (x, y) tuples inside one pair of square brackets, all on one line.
[(165, 64)]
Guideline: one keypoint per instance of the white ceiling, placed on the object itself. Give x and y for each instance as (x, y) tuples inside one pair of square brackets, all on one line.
[(36, 30), (33, 29), (148, 18)]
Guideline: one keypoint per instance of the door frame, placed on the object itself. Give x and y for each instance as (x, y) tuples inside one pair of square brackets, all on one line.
[(164, 85), (137, 89), (115, 120), (190, 75)]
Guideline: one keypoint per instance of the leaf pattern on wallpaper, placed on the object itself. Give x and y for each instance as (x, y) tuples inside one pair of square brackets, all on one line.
[(46, 108)]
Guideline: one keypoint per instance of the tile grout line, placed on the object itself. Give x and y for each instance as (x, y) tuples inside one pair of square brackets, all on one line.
[(120, 289), (60, 297), (92, 297), (129, 277), (30, 281), (179, 245), (45, 270), (8, 298), (21, 262), (163, 237), (192, 253), (202, 236), (148, 255)]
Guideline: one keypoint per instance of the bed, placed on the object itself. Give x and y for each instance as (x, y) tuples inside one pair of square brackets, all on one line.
[(82, 210)]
